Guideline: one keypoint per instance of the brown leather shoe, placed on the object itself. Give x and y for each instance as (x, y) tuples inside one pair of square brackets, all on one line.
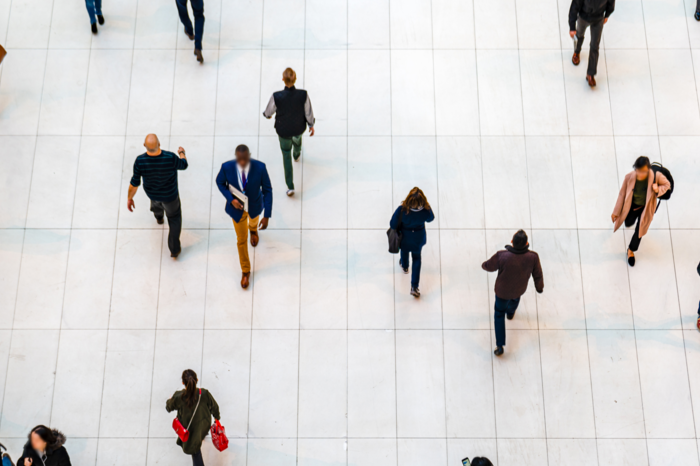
[(591, 80), (254, 238), (576, 59), (245, 280), (191, 36), (198, 53)]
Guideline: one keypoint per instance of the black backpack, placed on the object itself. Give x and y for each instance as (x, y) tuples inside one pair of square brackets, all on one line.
[(657, 167)]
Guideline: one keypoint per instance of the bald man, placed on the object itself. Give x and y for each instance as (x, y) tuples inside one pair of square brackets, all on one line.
[(159, 171)]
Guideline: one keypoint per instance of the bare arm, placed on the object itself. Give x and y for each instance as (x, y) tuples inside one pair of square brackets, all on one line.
[(130, 201)]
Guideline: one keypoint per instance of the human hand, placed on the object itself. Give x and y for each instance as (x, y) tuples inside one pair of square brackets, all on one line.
[(615, 217), (605, 20), (311, 131), (27, 462), (237, 204), (263, 223), (181, 152), (572, 34), (655, 187), (130, 205)]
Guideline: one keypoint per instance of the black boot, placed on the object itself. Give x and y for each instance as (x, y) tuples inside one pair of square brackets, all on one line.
[(100, 19), (93, 26)]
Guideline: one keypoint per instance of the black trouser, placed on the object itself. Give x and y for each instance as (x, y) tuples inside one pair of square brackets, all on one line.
[(174, 213), (634, 215), (197, 459), (596, 34)]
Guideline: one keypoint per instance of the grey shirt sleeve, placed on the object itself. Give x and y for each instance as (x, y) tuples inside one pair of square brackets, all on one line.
[(271, 108), (309, 112)]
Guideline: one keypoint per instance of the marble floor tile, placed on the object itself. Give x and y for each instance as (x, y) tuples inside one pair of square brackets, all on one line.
[(685, 259), (369, 24), (626, 30), (459, 159), (576, 452), (371, 384), (323, 384), (517, 380), (194, 95), (453, 24), (410, 24), (122, 27), (64, 95), (544, 94), (325, 183), (529, 452), (283, 24), (262, 452), (372, 452), (369, 175), (326, 451), (496, 24), (676, 451), (239, 72), (677, 152), (326, 24), (112, 451), (456, 93), (673, 78), (506, 192), (621, 452), (17, 154), (244, 22), (324, 275), (500, 96), (11, 243), (420, 376), (31, 24), (369, 86), (665, 24), (422, 451), (20, 92), (631, 92), (542, 13), (412, 102), (274, 383), (151, 95), (617, 398), (157, 25)]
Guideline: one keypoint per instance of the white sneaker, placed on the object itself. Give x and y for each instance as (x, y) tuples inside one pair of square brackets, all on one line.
[(290, 192)]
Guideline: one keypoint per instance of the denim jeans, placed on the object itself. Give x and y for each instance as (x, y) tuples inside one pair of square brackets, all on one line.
[(198, 10), (94, 7), (174, 213), (415, 271), (503, 307), (287, 144)]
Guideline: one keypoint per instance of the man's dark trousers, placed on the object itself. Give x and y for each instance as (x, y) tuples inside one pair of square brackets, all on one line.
[(174, 213), (503, 307), (596, 34), (198, 10)]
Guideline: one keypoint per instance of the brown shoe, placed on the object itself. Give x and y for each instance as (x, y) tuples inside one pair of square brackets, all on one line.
[(191, 36), (245, 280), (576, 59), (254, 238), (591, 80), (198, 53)]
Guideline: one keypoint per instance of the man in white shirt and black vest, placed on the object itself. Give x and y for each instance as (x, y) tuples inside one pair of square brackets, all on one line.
[(294, 112)]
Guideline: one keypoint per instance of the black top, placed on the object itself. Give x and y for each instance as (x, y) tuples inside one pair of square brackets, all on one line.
[(159, 174), (291, 119), (589, 10), (55, 454)]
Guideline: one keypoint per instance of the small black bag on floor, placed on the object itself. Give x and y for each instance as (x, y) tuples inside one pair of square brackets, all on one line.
[(395, 236)]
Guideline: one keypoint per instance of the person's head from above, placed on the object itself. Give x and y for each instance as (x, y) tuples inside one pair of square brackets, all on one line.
[(415, 200), (152, 144), (641, 167), (189, 380), (242, 155), (289, 77), (40, 437), (481, 461), (519, 240)]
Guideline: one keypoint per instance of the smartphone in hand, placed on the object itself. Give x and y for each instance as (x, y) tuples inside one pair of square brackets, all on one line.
[(465, 462)]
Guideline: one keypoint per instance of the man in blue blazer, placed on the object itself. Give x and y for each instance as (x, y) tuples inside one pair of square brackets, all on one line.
[(251, 178)]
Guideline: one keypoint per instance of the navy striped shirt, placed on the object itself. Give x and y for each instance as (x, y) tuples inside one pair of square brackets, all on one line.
[(159, 174)]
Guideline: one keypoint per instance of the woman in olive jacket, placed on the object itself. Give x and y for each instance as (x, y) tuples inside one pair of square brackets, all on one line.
[(185, 402)]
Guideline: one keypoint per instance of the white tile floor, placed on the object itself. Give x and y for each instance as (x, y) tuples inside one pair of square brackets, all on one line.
[(327, 360)]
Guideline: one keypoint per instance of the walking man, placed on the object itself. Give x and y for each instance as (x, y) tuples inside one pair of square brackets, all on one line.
[(582, 14), (198, 32), (294, 112), (159, 171), (515, 265), (250, 178)]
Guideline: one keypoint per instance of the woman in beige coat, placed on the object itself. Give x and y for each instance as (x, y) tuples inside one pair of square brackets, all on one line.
[(637, 201)]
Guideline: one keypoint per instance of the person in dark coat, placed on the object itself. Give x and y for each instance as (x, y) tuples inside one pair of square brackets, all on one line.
[(515, 265), (250, 177), (195, 408), (44, 448), (582, 15), (410, 218), (698, 323)]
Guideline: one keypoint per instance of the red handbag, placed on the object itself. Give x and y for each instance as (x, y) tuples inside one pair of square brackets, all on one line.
[(218, 436), (182, 433)]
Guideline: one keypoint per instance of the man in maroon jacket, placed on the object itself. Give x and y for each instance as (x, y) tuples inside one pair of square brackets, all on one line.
[(515, 265)]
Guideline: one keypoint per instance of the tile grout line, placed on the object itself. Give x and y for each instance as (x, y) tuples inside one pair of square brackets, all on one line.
[(26, 215), (529, 200), (439, 233), (347, 232), (578, 244), (116, 243), (252, 282)]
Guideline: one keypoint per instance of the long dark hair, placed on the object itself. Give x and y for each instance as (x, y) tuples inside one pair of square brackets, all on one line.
[(189, 378), (44, 433), (415, 200)]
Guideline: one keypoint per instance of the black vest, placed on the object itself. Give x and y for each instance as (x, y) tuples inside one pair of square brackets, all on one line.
[(290, 120)]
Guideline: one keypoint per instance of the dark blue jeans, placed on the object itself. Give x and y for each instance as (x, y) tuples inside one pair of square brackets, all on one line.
[(94, 7), (415, 271), (503, 307), (197, 459), (198, 10)]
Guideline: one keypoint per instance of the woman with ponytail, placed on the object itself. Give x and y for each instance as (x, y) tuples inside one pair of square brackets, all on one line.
[(410, 218), (195, 407)]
